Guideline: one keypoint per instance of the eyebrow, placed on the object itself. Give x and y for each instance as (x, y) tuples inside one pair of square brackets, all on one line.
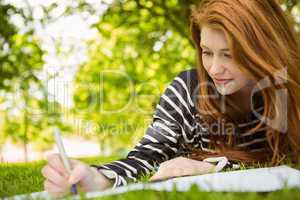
[(225, 49)]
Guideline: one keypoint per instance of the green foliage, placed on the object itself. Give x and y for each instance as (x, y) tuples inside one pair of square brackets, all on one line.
[(140, 48), (20, 53), (292, 9), (37, 119), (135, 55), (24, 98)]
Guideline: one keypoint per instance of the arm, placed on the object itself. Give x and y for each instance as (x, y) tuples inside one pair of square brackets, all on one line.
[(172, 120)]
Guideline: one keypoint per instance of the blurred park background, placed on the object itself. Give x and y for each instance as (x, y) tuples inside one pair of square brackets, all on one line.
[(96, 69)]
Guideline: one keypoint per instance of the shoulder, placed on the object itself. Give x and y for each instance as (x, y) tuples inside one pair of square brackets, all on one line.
[(188, 75), (183, 86), (187, 80)]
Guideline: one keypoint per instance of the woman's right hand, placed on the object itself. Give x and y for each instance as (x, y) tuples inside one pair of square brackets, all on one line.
[(58, 181)]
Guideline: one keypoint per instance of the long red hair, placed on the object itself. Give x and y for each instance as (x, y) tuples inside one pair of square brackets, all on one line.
[(263, 43)]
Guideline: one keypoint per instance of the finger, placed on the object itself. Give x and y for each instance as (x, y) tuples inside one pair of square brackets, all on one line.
[(74, 163), (159, 175), (78, 173), (169, 172), (52, 175), (53, 189), (154, 177), (204, 167), (56, 163)]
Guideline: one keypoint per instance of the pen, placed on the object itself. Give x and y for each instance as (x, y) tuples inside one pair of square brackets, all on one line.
[(63, 156)]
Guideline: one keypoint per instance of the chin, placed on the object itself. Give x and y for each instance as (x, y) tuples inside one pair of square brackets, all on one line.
[(229, 89), (226, 91)]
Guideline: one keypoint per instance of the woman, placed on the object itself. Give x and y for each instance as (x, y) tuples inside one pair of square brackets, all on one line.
[(240, 102)]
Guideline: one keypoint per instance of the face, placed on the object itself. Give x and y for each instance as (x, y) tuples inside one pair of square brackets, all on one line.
[(220, 66)]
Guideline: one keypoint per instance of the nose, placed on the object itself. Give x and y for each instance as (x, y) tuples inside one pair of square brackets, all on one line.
[(216, 67)]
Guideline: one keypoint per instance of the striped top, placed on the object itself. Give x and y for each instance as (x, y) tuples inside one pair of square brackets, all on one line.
[(176, 124)]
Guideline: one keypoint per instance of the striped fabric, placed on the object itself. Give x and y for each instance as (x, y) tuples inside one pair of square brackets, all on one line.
[(175, 125)]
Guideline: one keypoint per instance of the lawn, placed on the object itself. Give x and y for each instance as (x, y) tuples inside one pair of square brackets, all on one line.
[(26, 178)]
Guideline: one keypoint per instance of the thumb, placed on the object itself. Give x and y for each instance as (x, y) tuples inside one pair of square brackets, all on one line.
[(156, 176), (78, 173)]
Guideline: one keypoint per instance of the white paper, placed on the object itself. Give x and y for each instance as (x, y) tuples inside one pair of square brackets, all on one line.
[(251, 180)]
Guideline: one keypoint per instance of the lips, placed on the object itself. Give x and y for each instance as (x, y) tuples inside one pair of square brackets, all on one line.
[(222, 81)]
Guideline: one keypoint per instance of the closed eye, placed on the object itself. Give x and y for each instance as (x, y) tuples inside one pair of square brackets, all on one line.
[(227, 55), (207, 53)]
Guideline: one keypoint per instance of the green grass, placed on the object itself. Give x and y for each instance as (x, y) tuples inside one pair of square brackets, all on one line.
[(26, 178)]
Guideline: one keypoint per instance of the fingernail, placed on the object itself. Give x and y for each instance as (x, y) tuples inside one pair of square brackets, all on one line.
[(72, 180)]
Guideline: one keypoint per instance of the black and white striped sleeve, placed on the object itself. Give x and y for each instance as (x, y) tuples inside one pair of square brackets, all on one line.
[(172, 120)]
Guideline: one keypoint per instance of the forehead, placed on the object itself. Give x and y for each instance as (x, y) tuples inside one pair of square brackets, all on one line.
[(213, 38)]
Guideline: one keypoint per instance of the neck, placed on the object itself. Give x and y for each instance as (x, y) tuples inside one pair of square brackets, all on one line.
[(242, 99)]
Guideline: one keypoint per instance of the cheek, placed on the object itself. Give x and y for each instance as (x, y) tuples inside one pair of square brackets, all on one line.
[(206, 63), (242, 81), (237, 74)]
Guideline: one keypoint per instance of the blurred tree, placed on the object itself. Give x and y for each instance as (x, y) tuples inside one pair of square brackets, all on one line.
[(292, 8), (141, 46), (24, 98)]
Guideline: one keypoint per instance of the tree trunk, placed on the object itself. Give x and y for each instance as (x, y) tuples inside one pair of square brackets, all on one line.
[(25, 121)]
